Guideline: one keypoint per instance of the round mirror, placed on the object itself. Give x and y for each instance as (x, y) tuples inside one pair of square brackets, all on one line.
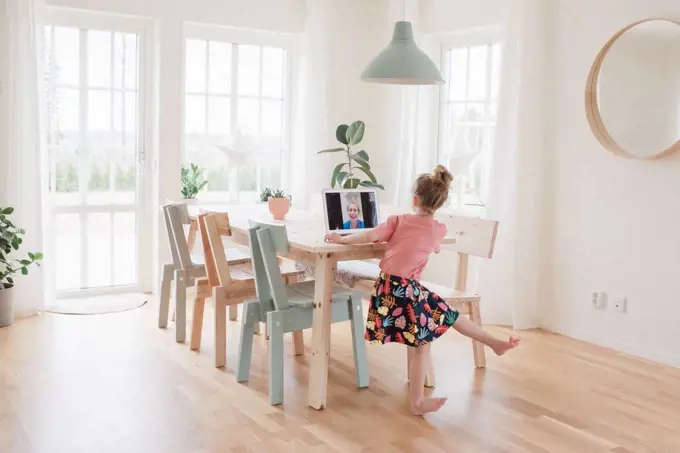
[(633, 91)]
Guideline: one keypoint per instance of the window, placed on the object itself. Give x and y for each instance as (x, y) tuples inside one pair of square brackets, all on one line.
[(467, 122), (236, 104)]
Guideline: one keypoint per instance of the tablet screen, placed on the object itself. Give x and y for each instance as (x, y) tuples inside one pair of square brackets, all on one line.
[(348, 210)]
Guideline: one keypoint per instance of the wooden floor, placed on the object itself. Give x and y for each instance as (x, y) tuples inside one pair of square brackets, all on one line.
[(116, 383)]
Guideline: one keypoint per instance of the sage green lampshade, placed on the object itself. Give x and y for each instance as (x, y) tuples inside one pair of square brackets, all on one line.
[(402, 62)]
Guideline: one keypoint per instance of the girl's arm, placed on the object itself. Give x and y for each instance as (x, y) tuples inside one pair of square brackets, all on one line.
[(365, 237)]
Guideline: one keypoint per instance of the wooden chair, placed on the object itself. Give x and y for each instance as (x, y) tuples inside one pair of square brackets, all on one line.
[(185, 269), (229, 285), (287, 309), (474, 237)]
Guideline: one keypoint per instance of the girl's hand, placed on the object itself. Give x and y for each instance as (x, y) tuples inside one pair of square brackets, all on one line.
[(333, 238)]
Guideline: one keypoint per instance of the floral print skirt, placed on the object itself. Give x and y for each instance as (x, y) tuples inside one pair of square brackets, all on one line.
[(404, 311)]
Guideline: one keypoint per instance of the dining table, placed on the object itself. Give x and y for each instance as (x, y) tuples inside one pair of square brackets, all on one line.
[(306, 232)]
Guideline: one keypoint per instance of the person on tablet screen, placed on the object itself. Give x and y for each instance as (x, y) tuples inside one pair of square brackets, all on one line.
[(354, 221)]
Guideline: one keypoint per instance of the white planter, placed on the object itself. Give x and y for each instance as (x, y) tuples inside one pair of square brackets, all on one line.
[(191, 201), (6, 313)]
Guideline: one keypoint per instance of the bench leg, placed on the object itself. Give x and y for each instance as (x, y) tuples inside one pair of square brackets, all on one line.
[(477, 347)]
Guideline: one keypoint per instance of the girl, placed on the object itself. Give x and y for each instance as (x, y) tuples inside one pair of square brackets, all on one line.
[(354, 221), (401, 309)]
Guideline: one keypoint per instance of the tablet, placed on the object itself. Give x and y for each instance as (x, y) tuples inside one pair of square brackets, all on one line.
[(350, 210)]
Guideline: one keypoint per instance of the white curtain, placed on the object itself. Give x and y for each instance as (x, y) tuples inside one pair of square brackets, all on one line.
[(24, 185), (510, 282), (413, 109)]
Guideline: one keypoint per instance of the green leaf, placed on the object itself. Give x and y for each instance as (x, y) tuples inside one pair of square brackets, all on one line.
[(372, 185), (355, 133), (7, 211), (10, 280), (351, 183), (341, 178), (341, 134), (24, 271), (25, 262), (360, 161), (31, 256), (38, 256), (370, 174), (336, 171), (363, 154), (332, 150)]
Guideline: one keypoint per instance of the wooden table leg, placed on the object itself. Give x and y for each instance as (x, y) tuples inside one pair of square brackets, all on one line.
[(321, 330)]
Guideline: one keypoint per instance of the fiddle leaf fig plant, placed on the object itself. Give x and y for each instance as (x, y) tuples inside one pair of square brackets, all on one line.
[(356, 171), (11, 239)]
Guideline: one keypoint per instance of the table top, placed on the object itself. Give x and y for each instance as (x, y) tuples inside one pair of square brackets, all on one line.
[(306, 229)]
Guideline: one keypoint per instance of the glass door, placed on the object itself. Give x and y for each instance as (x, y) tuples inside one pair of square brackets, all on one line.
[(95, 112)]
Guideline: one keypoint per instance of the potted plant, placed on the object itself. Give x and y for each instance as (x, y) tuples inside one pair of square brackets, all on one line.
[(279, 204), (193, 182), (11, 238), (265, 194), (352, 173)]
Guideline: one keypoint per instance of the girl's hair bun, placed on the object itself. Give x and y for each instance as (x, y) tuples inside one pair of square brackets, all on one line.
[(441, 173)]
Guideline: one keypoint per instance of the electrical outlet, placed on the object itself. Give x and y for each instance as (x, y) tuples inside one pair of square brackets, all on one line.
[(598, 300), (619, 304)]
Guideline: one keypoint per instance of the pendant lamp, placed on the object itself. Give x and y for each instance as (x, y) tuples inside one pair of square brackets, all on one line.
[(402, 62)]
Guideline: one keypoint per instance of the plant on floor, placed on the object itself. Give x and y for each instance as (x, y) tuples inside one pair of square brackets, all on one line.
[(348, 174), (11, 239), (192, 180)]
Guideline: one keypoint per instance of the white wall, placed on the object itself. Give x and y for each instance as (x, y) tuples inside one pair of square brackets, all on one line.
[(615, 221), (3, 101), (442, 16)]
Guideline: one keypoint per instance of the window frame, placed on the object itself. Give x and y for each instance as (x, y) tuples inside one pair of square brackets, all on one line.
[(485, 36), (246, 37)]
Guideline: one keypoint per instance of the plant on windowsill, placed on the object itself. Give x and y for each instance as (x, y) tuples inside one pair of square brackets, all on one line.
[(348, 175), (193, 182), (11, 239), (279, 203)]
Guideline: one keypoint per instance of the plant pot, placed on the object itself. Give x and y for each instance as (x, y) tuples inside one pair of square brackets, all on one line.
[(6, 313), (279, 207), (190, 201)]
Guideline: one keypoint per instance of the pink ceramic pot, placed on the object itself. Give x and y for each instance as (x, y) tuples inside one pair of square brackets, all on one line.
[(279, 207)]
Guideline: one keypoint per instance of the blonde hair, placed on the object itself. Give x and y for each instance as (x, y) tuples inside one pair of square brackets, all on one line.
[(432, 189)]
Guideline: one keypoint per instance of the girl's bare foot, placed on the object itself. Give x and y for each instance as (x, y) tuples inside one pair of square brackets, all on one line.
[(428, 405), (501, 347)]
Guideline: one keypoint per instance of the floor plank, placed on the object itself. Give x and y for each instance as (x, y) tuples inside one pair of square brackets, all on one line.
[(116, 383)]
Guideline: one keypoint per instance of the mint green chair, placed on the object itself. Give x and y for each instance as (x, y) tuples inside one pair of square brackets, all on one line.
[(289, 309)]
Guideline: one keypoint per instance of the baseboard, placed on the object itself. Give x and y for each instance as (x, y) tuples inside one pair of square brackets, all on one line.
[(633, 349)]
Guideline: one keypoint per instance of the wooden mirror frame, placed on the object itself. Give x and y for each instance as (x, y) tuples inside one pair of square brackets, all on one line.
[(593, 110)]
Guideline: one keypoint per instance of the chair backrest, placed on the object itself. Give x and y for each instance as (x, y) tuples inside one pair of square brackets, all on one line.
[(265, 241), (474, 236), (177, 215), (171, 237), (212, 226)]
